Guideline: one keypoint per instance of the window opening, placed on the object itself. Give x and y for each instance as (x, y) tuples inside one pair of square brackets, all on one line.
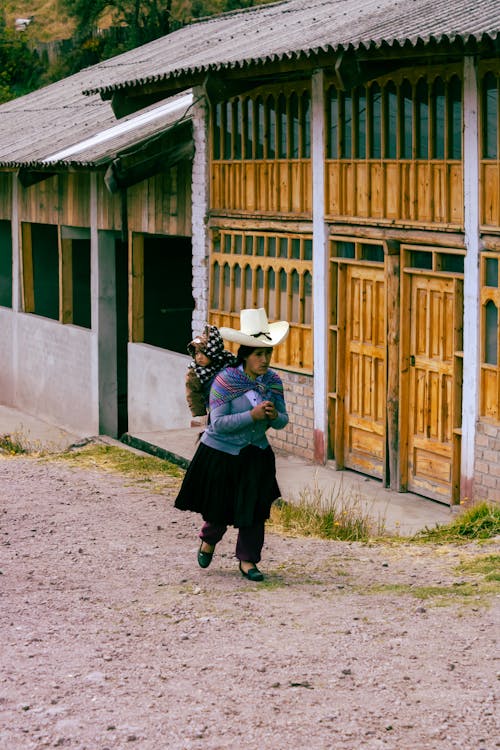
[(81, 297), (451, 263), (248, 127), (294, 129), (282, 128), (372, 253), (361, 123), (238, 122), (346, 145), (391, 120), (491, 272), (333, 123), (217, 131), (438, 120), (45, 254), (376, 122), (167, 294), (491, 334), (406, 121), (259, 143), (306, 126), (271, 128), (490, 117), (422, 119), (5, 264), (228, 130), (420, 259), (455, 118)]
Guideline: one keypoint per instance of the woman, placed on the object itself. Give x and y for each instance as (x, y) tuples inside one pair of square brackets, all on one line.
[(232, 477)]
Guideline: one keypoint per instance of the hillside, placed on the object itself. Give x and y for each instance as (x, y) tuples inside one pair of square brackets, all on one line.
[(50, 20)]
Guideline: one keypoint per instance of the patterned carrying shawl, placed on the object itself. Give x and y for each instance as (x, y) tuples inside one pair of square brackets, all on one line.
[(232, 382), (210, 343)]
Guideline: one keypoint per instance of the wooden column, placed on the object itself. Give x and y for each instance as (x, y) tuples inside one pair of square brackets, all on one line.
[(470, 398), (28, 289), (320, 269), (65, 278), (393, 323), (136, 287)]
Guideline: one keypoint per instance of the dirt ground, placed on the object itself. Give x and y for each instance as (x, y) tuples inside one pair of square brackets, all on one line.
[(113, 637)]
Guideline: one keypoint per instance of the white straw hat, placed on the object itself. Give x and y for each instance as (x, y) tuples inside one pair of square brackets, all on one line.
[(255, 330)]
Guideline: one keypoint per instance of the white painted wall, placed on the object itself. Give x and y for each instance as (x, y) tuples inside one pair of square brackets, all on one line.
[(156, 391), (6, 356), (199, 193), (470, 384), (53, 373)]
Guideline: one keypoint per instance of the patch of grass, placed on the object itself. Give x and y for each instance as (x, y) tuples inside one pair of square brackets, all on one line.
[(138, 467), (486, 565), (328, 517), (17, 443), (480, 521)]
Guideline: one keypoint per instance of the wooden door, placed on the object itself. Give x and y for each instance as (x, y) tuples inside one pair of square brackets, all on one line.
[(364, 433), (433, 410)]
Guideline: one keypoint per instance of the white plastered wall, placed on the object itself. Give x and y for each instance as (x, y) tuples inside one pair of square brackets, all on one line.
[(470, 385)]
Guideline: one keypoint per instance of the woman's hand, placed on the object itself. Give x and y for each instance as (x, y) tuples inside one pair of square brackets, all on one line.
[(264, 410)]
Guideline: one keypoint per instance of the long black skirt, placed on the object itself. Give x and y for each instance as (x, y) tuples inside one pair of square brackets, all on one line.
[(230, 490)]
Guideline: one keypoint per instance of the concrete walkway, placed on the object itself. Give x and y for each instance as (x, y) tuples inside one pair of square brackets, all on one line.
[(405, 513)]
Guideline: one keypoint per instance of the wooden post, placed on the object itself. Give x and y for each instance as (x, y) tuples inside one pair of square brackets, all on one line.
[(136, 287), (393, 310), (28, 289), (65, 278)]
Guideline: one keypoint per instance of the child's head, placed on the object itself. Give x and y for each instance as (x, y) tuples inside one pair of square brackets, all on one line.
[(197, 349), (201, 358)]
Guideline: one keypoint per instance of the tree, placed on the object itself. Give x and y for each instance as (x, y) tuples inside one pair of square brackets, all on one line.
[(19, 67)]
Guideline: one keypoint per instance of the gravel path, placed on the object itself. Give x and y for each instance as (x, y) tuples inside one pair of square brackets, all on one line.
[(112, 637)]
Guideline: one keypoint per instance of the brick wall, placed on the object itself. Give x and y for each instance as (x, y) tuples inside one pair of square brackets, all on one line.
[(298, 436), (487, 462)]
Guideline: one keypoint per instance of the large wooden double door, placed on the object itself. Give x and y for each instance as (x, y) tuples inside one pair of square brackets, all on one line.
[(415, 344)]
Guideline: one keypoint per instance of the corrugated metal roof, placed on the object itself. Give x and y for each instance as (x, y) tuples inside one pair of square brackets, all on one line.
[(57, 117), (58, 121), (293, 28)]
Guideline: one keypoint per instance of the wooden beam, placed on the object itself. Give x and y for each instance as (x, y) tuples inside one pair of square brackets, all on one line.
[(136, 287), (65, 279), (27, 286), (153, 157), (28, 177), (393, 312)]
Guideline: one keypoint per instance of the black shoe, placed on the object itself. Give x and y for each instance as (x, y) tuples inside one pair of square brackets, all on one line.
[(204, 558), (253, 574)]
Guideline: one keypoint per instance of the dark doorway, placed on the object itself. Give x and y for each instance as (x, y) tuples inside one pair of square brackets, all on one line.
[(5, 264), (121, 269), (80, 269), (168, 297)]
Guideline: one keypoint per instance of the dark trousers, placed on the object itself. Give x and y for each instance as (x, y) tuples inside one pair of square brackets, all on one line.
[(248, 544)]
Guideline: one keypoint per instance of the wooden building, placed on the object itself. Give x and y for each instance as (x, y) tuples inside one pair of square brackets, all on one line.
[(347, 177), (95, 259), (353, 158)]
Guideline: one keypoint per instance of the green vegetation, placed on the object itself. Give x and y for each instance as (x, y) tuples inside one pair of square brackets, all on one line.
[(93, 30), (19, 66), (332, 517), (480, 521), (12, 445)]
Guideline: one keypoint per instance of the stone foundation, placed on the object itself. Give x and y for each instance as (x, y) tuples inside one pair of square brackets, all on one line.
[(298, 437), (486, 466)]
